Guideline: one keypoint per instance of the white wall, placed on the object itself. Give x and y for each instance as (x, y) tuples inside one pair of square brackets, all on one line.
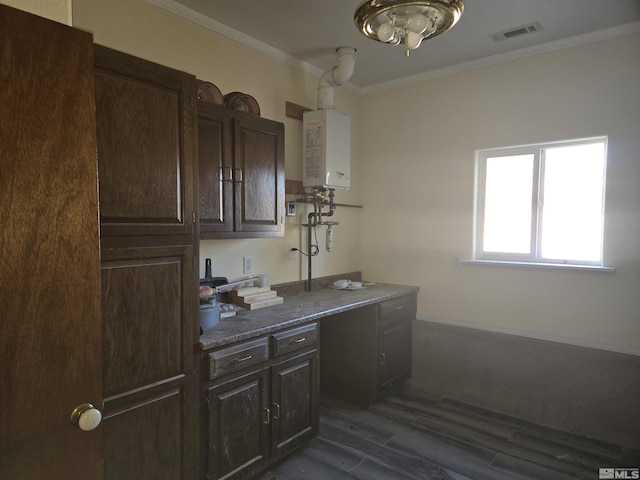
[(148, 31), (414, 172), (418, 178), (57, 10)]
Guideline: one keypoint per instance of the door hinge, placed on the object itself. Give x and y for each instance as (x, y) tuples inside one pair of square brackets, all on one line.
[(193, 217)]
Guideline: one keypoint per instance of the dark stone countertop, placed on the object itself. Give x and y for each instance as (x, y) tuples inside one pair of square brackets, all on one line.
[(297, 309)]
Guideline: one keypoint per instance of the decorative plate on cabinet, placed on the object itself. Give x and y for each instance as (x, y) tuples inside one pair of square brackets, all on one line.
[(209, 93), (241, 102)]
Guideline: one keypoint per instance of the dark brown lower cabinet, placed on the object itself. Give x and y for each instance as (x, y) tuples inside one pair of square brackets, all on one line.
[(238, 425), (148, 370), (394, 360), (261, 400), (395, 319), (294, 395), (366, 352)]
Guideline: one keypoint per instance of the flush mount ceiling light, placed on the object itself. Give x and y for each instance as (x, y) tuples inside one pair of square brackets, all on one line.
[(406, 22)]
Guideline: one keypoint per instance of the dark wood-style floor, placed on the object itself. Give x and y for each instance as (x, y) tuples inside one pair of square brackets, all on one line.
[(411, 437)]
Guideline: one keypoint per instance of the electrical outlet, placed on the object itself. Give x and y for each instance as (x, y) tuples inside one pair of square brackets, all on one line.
[(292, 252), (291, 209), (247, 265)]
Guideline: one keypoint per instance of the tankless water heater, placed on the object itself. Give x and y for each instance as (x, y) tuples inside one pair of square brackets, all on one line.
[(326, 148)]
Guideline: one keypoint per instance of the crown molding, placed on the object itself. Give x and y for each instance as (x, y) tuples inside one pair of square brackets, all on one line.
[(242, 38), (578, 40)]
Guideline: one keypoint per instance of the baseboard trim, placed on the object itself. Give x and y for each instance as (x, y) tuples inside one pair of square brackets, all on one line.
[(622, 349)]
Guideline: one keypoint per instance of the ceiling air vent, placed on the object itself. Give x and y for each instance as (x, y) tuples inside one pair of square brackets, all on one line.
[(516, 32)]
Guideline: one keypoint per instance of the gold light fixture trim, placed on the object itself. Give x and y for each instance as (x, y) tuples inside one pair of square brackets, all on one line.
[(406, 22)]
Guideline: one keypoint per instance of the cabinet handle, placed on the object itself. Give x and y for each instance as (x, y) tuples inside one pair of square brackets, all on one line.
[(229, 174), (300, 340), (267, 416), (238, 175), (243, 359), (399, 307), (383, 359), (276, 411)]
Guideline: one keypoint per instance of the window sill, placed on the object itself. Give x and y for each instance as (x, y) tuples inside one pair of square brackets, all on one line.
[(538, 266)]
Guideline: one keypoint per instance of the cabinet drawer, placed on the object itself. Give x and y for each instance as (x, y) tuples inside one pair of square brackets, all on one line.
[(238, 356), (295, 339), (397, 308)]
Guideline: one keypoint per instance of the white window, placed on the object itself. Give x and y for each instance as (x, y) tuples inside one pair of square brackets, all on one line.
[(542, 203)]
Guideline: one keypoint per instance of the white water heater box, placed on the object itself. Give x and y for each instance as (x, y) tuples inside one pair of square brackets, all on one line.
[(326, 148)]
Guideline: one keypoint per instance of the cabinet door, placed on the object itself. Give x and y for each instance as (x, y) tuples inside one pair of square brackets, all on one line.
[(146, 121), (215, 166), (394, 352), (295, 393), (395, 318), (238, 426), (50, 330), (259, 176), (149, 311)]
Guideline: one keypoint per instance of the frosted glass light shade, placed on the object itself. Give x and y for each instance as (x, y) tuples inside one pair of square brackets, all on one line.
[(413, 40), (417, 23), (385, 32)]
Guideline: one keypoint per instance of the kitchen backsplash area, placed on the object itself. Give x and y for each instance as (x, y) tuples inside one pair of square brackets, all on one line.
[(271, 256)]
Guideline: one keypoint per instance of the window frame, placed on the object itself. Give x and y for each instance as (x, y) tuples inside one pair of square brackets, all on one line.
[(537, 205)]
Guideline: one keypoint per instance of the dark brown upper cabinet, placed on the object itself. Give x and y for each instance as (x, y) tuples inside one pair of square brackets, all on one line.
[(215, 165), (146, 124), (241, 166)]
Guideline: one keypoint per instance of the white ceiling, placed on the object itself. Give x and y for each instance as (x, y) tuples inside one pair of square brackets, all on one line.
[(306, 33)]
